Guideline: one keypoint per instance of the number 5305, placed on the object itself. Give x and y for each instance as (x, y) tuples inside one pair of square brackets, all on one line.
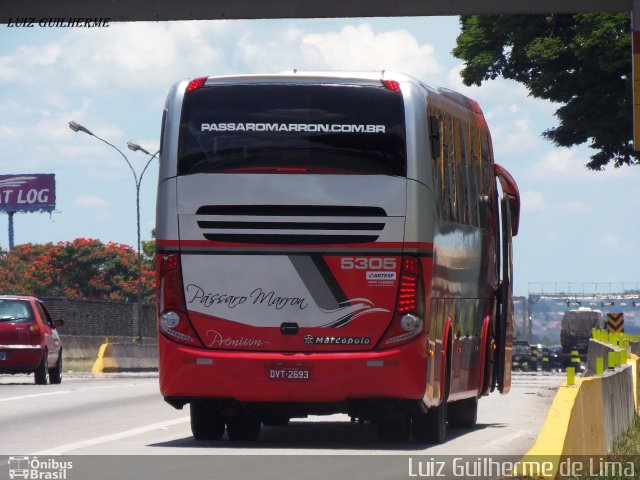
[(367, 263)]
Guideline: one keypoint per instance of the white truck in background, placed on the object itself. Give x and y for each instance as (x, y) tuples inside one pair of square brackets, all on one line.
[(576, 329)]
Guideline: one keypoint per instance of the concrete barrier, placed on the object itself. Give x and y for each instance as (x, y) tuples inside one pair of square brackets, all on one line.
[(618, 404), (598, 350), (587, 418), (78, 347), (118, 357), (104, 360)]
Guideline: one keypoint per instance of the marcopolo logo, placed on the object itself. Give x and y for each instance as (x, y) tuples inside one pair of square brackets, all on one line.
[(32, 468), (320, 340)]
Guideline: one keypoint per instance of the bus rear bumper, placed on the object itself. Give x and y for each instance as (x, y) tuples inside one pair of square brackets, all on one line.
[(187, 372)]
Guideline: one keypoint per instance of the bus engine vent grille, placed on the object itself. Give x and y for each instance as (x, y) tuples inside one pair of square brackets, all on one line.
[(291, 224)]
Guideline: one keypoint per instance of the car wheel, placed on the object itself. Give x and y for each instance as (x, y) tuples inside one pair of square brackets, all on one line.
[(55, 373), (244, 428), (41, 372), (206, 422)]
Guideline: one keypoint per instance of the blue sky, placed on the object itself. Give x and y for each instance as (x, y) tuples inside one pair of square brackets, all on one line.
[(576, 226)]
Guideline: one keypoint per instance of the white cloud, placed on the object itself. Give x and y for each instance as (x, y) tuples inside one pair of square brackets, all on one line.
[(532, 202), (360, 48), (26, 62), (610, 241), (515, 137), (576, 207), (506, 91), (126, 55), (564, 164), (561, 164), (501, 110), (90, 201), (57, 99), (354, 47)]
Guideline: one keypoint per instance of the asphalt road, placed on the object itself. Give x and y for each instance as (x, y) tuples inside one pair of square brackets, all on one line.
[(121, 427)]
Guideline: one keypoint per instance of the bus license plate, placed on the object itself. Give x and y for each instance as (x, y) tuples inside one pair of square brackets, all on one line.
[(291, 373)]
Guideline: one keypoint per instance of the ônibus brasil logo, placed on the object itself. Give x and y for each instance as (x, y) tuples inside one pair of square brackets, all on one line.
[(31, 468)]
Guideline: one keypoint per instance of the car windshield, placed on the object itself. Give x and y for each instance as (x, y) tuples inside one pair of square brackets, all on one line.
[(15, 311)]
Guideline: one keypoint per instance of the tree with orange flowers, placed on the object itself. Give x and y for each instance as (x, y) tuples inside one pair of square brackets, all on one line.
[(82, 268)]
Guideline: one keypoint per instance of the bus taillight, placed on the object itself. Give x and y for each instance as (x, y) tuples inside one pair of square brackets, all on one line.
[(408, 318), (391, 85), (172, 312), (195, 84)]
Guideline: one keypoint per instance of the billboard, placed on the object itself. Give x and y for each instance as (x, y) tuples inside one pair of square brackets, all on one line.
[(31, 192)]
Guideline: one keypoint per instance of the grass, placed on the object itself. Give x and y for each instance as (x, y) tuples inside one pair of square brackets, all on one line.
[(629, 444), (624, 461)]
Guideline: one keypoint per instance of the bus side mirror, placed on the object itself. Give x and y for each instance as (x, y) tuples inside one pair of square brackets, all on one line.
[(512, 194), (514, 208)]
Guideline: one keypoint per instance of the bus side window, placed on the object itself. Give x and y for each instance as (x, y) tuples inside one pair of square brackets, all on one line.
[(451, 208), (469, 178), (461, 194), (434, 136), (436, 142), (486, 172), (164, 122), (474, 177)]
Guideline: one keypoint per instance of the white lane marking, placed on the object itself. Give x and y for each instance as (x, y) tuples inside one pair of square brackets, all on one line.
[(506, 439), (79, 390), (111, 438)]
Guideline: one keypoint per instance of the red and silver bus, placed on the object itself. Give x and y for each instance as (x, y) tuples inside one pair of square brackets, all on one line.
[(331, 242)]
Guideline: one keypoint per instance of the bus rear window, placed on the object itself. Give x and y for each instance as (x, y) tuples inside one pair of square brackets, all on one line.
[(292, 129)]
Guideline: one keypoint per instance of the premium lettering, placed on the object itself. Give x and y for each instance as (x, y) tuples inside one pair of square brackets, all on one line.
[(216, 339)]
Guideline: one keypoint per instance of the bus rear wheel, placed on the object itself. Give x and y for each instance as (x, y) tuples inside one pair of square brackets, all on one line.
[(463, 413), (275, 420), (244, 428), (431, 427), (394, 431), (206, 422)]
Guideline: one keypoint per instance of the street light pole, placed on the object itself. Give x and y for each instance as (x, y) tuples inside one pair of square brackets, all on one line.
[(135, 147), (76, 127)]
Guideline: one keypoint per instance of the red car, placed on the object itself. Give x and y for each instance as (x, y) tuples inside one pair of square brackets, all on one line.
[(29, 341)]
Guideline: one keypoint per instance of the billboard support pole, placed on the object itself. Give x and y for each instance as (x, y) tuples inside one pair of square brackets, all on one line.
[(10, 230)]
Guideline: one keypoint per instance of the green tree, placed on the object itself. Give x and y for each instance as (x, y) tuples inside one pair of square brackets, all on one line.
[(581, 61), (148, 248), (82, 268)]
